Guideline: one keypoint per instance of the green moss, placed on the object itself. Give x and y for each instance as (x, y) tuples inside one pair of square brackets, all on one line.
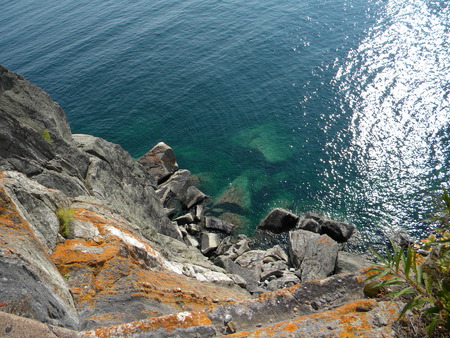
[(46, 135), (65, 216)]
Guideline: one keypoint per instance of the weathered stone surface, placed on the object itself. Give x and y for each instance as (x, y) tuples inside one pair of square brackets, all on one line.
[(173, 192), (35, 137), (191, 241), (184, 324), (247, 274), (217, 224), (209, 242), (273, 269), (120, 183), (286, 280), (350, 262), (289, 303), (278, 221), (313, 254), (160, 162), (29, 282), (15, 326), (362, 318), (251, 259)]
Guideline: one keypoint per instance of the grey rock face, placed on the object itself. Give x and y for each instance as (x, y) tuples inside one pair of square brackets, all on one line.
[(29, 282), (313, 254), (15, 326), (193, 196), (38, 205), (35, 137), (280, 306), (339, 231), (278, 221), (118, 181), (160, 162)]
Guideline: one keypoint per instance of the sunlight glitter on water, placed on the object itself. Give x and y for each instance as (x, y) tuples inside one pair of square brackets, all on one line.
[(396, 83)]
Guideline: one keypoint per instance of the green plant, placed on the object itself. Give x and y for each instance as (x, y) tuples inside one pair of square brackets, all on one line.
[(426, 286), (46, 135), (66, 276), (65, 216)]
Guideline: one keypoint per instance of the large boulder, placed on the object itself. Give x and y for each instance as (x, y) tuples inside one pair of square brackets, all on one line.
[(339, 231), (278, 221), (160, 162), (312, 254)]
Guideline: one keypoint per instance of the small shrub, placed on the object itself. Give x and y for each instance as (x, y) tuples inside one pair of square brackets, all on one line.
[(46, 135), (65, 216), (426, 286)]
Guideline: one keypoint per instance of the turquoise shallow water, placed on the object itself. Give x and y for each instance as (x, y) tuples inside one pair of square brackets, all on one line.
[(337, 106)]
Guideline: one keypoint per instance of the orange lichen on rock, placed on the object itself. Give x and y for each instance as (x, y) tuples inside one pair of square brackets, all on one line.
[(168, 323), (13, 227), (122, 267), (354, 319)]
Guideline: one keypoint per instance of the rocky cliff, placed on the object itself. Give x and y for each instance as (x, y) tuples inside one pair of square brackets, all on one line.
[(95, 243)]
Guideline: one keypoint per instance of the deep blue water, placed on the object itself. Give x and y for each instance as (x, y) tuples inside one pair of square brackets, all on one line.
[(340, 106)]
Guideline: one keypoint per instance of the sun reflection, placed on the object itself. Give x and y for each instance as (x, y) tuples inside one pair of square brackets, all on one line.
[(396, 83)]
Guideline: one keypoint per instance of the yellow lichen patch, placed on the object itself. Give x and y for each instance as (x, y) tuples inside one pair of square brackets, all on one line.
[(168, 322)]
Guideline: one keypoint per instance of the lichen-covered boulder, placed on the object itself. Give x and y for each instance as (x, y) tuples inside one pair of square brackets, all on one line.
[(312, 254), (160, 162)]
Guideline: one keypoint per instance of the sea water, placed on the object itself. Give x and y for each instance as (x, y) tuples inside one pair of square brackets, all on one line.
[(337, 106)]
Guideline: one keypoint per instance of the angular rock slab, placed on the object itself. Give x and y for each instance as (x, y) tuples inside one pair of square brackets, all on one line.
[(217, 224), (278, 221), (30, 284), (209, 242), (313, 254), (160, 162)]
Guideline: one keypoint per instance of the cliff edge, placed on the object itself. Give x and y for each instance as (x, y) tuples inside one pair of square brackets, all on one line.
[(95, 243)]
